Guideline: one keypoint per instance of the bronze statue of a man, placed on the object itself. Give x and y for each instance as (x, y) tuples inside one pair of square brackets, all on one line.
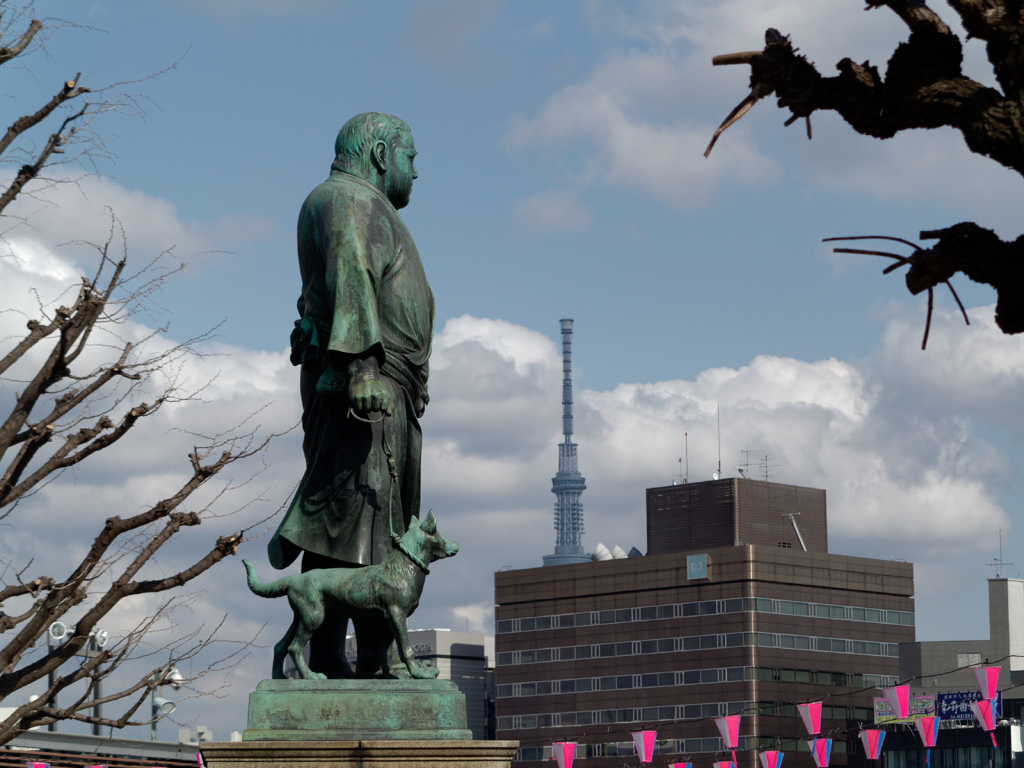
[(363, 339)]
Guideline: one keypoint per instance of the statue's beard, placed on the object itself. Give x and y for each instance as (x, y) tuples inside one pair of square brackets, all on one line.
[(399, 190)]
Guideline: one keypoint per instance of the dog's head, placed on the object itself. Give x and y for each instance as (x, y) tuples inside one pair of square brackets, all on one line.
[(427, 541)]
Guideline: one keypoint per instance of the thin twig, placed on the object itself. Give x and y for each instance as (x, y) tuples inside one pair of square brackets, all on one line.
[(928, 322), (874, 237), (959, 303)]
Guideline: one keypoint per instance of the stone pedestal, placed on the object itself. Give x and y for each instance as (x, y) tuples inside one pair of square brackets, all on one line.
[(357, 711), (403, 753), (358, 724)]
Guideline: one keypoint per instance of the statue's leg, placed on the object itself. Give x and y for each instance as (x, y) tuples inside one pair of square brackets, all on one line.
[(327, 645), (369, 637)]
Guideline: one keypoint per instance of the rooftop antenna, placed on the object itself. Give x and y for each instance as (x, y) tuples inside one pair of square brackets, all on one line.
[(999, 563), (686, 439), (765, 466), (718, 474), (744, 468)]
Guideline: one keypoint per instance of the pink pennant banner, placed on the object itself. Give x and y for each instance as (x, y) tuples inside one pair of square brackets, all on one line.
[(564, 751), (821, 751), (644, 741), (771, 759), (983, 713), (928, 729), (988, 681), (680, 765), (723, 764), (899, 699), (872, 740), (38, 765), (810, 713), (729, 727)]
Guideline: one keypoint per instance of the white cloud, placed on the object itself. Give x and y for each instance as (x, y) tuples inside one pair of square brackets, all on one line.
[(479, 617), (907, 168), (78, 210), (644, 115), (662, 158)]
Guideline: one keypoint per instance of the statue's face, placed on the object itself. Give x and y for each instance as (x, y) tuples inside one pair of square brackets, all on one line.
[(401, 172)]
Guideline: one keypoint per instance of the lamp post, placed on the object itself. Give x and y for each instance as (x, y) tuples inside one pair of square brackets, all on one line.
[(56, 632), (160, 705)]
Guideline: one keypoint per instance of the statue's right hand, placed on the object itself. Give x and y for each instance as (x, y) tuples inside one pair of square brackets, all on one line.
[(368, 395)]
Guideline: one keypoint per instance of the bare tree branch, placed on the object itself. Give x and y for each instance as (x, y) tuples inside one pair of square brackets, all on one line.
[(68, 407), (6, 54)]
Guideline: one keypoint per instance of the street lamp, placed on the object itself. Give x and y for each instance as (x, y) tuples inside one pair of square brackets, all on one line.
[(160, 705), (57, 632)]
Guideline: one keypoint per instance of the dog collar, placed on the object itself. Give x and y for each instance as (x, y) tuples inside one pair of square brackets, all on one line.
[(412, 556)]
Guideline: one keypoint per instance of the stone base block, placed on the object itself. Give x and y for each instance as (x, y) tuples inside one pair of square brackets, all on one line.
[(356, 710), (401, 753)]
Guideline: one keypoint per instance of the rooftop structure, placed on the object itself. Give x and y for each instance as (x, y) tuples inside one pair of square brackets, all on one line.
[(568, 483), (732, 512)]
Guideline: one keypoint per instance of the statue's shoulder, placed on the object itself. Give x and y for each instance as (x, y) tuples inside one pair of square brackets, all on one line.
[(343, 191), (342, 186), (339, 197)]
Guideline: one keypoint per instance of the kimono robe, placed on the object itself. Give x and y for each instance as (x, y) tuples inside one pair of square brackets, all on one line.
[(363, 289)]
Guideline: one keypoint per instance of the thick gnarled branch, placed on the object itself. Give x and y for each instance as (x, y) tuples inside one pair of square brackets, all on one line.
[(923, 87)]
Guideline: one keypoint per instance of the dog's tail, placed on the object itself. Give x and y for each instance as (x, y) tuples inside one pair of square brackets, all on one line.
[(274, 589)]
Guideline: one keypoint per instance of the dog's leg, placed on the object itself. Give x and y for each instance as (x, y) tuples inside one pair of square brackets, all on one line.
[(309, 615), (281, 650), (396, 619)]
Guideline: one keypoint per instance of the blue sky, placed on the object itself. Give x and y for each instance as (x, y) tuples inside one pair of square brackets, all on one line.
[(561, 174)]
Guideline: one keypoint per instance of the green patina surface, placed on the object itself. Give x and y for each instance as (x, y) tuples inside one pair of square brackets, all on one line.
[(333, 710)]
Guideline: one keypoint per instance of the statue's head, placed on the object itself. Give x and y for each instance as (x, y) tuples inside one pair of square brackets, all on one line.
[(378, 148)]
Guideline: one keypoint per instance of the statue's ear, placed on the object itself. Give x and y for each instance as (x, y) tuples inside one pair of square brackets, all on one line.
[(414, 522), (379, 155), (430, 524)]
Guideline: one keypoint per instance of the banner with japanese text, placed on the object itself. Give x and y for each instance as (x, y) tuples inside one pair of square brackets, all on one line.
[(957, 706), (920, 706)]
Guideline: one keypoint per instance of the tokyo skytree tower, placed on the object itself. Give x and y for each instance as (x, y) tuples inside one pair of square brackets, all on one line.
[(568, 483)]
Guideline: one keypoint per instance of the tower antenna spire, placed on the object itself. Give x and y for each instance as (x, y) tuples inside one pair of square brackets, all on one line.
[(686, 443), (568, 483)]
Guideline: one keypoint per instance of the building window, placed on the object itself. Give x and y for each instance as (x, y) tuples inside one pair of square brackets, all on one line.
[(698, 642), (702, 608)]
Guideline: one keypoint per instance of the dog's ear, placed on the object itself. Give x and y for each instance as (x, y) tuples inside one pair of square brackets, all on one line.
[(430, 524), (414, 522)]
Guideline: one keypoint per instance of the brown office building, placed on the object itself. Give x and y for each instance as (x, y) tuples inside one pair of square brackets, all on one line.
[(734, 610)]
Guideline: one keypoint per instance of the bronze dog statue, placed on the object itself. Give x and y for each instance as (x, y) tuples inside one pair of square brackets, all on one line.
[(378, 598)]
